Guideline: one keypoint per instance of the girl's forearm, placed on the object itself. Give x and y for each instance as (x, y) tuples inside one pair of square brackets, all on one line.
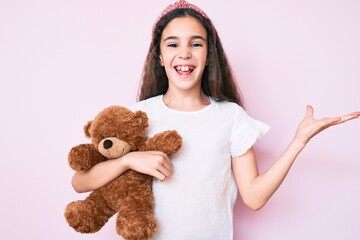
[(98, 175), (265, 184)]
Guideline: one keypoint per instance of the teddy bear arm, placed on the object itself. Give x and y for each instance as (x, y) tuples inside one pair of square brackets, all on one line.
[(84, 156), (167, 142)]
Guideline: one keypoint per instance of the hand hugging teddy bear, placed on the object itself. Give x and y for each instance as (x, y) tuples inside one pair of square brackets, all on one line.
[(114, 132)]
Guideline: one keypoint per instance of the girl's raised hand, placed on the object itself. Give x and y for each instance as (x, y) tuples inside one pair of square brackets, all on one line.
[(154, 163), (310, 126)]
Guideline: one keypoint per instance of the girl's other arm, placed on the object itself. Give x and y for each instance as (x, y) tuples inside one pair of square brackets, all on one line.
[(256, 189), (154, 163)]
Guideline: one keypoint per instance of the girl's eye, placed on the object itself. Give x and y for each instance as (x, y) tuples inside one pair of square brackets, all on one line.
[(172, 45), (195, 45)]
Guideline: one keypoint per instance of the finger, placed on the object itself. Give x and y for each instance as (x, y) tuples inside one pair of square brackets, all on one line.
[(164, 171), (354, 115), (165, 161), (342, 119), (309, 111), (165, 167), (159, 175), (350, 116), (326, 122)]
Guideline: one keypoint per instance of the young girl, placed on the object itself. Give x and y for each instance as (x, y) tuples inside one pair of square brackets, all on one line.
[(188, 86)]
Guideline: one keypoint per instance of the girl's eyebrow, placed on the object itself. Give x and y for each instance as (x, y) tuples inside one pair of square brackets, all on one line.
[(192, 38)]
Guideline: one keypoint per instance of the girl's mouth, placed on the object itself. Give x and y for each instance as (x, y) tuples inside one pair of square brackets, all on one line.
[(184, 70)]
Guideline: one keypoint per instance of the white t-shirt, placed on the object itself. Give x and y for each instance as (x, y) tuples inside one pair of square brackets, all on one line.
[(197, 201)]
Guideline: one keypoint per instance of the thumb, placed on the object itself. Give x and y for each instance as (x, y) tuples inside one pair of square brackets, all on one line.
[(309, 111)]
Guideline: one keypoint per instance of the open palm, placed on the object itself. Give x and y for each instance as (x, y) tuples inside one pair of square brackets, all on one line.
[(310, 126)]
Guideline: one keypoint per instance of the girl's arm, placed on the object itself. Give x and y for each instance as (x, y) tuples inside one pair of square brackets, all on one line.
[(154, 163), (256, 189)]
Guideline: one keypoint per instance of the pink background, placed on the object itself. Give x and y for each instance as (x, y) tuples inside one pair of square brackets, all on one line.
[(63, 61)]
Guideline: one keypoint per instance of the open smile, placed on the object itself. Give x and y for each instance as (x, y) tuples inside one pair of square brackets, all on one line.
[(184, 70)]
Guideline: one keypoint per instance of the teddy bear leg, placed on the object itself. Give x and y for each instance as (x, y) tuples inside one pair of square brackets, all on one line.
[(89, 215), (135, 220)]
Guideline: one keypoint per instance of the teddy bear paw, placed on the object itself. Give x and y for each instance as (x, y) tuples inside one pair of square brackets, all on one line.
[(78, 220), (141, 229)]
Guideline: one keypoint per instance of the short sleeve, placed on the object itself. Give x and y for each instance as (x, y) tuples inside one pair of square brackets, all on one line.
[(245, 133)]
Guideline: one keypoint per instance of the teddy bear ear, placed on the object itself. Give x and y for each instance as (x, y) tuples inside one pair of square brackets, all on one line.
[(87, 129), (142, 119)]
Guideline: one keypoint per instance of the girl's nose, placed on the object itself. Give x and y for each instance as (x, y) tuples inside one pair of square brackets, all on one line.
[(185, 54)]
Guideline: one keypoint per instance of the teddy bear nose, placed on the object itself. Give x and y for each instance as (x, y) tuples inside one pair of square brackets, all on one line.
[(107, 144)]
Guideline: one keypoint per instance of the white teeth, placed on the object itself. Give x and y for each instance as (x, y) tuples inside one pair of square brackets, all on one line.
[(184, 68)]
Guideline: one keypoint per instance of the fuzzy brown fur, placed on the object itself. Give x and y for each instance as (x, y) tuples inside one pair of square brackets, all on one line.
[(114, 132)]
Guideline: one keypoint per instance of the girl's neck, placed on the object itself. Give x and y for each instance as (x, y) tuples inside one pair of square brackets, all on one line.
[(186, 102)]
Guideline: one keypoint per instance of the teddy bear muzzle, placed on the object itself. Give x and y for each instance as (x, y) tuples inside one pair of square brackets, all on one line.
[(113, 147)]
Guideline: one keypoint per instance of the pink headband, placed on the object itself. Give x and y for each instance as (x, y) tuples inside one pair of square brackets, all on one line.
[(178, 5)]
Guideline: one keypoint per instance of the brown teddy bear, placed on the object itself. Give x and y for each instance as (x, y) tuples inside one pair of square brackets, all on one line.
[(114, 132)]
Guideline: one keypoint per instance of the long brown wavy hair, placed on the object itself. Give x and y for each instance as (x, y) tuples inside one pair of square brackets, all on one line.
[(218, 80)]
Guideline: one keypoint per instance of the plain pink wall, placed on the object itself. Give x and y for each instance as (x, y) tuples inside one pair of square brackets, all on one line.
[(63, 61)]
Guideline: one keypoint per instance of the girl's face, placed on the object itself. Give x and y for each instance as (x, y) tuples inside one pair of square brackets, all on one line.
[(183, 53)]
